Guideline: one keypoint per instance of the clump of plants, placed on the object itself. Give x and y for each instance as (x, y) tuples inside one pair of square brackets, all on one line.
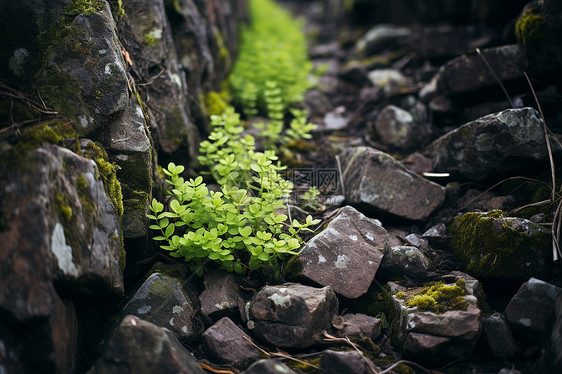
[(438, 297), (273, 51), (239, 227)]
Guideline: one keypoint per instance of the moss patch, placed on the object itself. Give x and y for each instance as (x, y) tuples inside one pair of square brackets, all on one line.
[(214, 103), (85, 7), (529, 28), (437, 297), (491, 245)]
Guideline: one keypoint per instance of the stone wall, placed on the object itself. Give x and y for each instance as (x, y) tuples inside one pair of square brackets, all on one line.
[(91, 90)]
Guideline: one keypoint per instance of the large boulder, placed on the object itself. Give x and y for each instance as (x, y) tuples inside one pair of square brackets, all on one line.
[(291, 315), (344, 256), (58, 228), (377, 181), (493, 146)]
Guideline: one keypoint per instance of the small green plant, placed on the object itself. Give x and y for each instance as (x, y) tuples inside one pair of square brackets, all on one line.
[(272, 49), (239, 227)]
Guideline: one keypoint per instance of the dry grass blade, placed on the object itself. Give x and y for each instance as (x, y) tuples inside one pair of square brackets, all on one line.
[(495, 76), (557, 223), (330, 338), (213, 370), (280, 354)]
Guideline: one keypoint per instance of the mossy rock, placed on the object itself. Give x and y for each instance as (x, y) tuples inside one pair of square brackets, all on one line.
[(437, 297), (491, 245), (529, 28)]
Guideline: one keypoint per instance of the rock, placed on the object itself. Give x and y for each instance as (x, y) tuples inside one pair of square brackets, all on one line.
[(354, 72), (499, 336), (351, 362), (467, 77), (85, 76), (162, 301), (152, 49), (417, 241), (493, 146), (221, 294), (376, 180), (529, 310), (391, 81), (291, 315), (404, 261), (268, 367), (381, 37), (397, 129), (333, 121), (344, 256), (74, 239), (317, 103), (418, 163), (554, 352), (485, 244), (434, 337), (161, 352), (361, 326), (226, 343)]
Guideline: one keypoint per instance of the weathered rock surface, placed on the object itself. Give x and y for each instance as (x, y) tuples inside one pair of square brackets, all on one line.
[(162, 301), (382, 36), (554, 353), (268, 367), (400, 261), (376, 180), (361, 326), (137, 346), (226, 343), (463, 77), (396, 128), (344, 256), (486, 244), (529, 310), (499, 336), (221, 294), (439, 337), (493, 146), (333, 362), (291, 315)]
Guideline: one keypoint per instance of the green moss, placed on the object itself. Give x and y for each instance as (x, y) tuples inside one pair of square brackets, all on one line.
[(489, 247), (529, 28), (85, 7), (149, 39), (62, 206), (108, 173), (214, 103), (117, 8), (293, 269), (439, 297), (305, 365), (54, 132), (88, 203)]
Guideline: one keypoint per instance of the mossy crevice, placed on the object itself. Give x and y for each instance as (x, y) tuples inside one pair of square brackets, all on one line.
[(529, 28)]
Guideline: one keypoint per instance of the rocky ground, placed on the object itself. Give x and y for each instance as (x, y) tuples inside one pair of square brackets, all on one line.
[(434, 253)]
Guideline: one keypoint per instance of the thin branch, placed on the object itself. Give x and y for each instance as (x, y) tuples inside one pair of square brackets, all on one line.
[(495, 76), (330, 338), (280, 354), (389, 369)]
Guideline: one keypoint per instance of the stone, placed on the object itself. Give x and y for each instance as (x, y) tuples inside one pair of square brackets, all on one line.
[(485, 244), (352, 362), (466, 76), (162, 301), (396, 128), (291, 315), (355, 73), (317, 103), (268, 367), (344, 256), (376, 180), (361, 326), (161, 352), (226, 343), (75, 238), (417, 241), (381, 37), (392, 81), (88, 66), (494, 146), (499, 336), (554, 352), (221, 294), (529, 310), (152, 48), (404, 261), (333, 121), (439, 337)]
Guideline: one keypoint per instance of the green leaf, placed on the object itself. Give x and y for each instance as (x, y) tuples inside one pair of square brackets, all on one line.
[(169, 231), (245, 231)]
